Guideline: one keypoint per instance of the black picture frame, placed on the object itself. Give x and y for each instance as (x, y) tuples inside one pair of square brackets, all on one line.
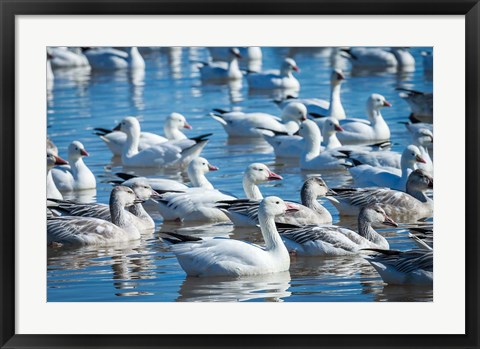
[(10, 8)]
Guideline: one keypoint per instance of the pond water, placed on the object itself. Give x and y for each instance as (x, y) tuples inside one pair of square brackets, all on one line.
[(145, 270)]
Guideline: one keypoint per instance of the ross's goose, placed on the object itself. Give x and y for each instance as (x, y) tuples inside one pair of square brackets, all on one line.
[(80, 231), (283, 79), (373, 130), (311, 157), (379, 58), (330, 240), (172, 154), (221, 71), (369, 176), (321, 107), (174, 123), (63, 57), (52, 191), (239, 124), (421, 104), (245, 212), (403, 267), (108, 58), (228, 257), (413, 202), (76, 175), (199, 204), (139, 217)]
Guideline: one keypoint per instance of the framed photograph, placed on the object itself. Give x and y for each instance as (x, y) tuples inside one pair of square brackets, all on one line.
[(231, 174)]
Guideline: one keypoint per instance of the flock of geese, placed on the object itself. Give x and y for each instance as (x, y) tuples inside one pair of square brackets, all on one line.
[(318, 133)]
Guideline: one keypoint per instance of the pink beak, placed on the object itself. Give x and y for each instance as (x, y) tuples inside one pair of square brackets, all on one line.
[(83, 152), (387, 104), (291, 207), (60, 161), (420, 159), (297, 69), (389, 221), (212, 168), (338, 128), (187, 125), (272, 176)]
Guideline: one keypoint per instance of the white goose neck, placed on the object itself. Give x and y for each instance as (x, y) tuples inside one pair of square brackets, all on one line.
[(233, 65), (273, 241), (331, 141), (173, 133), (198, 179), (312, 145), (131, 145), (374, 115), (251, 189), (336, 108)]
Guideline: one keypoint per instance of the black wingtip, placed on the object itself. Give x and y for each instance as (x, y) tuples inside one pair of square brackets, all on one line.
[(102, 131), (221, 111), (382, 251), (125, 176), (181, 237), (317, 116), (201, 137)]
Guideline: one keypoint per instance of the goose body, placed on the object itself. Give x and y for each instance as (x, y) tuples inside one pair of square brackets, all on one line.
[(379, 58), (329, 240), (62, 57), (221, 71), (81, 231), (276, 80), (76, 175), (108, 58), (234, 258)]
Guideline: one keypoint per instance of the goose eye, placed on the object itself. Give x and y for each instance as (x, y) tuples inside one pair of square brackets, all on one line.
[(203, 164), (278, 202), (260, 169)]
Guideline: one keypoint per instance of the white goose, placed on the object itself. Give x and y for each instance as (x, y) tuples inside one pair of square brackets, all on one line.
[(228, 257), (52, 191), (63, 57), (330, 240), (80, 231), (115, 139), (108, 58), (277, 80), (423, 139), (76, 175), (369, 176), (221, 71), (379, 58), (312, 158), (199, 204), (373, 130), (245, 212), (239, 124), (319, 107), (252, 53), (177, 154), (413, 202), (139, 217), (407, 267)]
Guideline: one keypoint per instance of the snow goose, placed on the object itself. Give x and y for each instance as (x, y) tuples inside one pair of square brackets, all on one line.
[(311, 157), (234, 258), (221, 71), (239, 124), (359, 131), (170, 154), (330, 240), (139, 217), (421, 104), (199, 204), (379, 58), (423, 139), (400, 268), (63, 57), (413, 202), (245, 212), (108, 58), (52, 191), (80, 231), (252, 53), (369, 176), (320, 107), (115, 139), (76, 175), (276, 80)]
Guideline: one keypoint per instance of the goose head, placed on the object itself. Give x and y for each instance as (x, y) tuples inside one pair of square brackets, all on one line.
[(123, 196), (294, 111), (143, 190), (76, 150), (374, 214), (411, 155), (420, 180), (289, 65), (331, 126), (234, 53), (310, 131), (177, 121), (259, 173), (317, 187), (129, 125), (274, 206), (200, 166), (53, 160), (376, 102), (423, 137), (337, 77)]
